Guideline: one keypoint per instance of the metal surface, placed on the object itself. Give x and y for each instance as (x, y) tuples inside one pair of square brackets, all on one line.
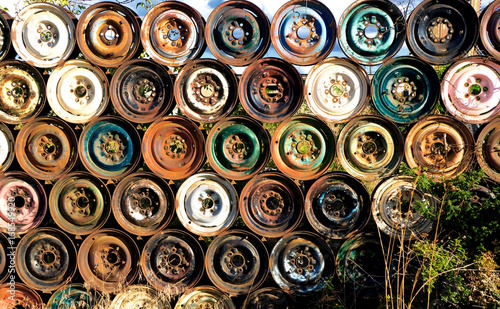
[(107, 260), (206, 204), (370, 147), (337, 205), (442, 31), (77, 91), (303, 32), (43, 34), (108, 34), (45, 259), (172, 33), (238, 147), (6, 148), (303, 147), (5, 40), (206, 90), (301, 263), (271, 204), (6, 251), (109, 147), (488, 149), (237, 32), (79, 203), (269, 298), (371, 31), (143, 204), (205, 297), (469, 89), (28, 199), (396, 208), (172, 261), (22, 92), (141, 90), (139, 296), (173, 147), (489, 29), (270, 90), (236, 262), (441, 144), (46, 148), (24, 298), (405, 89), (74, 296)]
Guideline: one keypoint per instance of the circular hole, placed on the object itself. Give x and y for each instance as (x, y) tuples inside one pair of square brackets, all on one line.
[(48, 257), (112, 146), (302, 261), (19, 201), (371, 32), (82, 202), (207, 91), (238, 33), (145, 202), (49, 148), (145, 91), (17, 92), (112, 258), (46, 36), (174, 34), (475, 89), (272, 90), (237, 260), (303, 147), (272, 203), (208, 203), (174, 259), (109, 34), (438, 148), (303, 32), (337, 90), (80, 91), (369, 147)]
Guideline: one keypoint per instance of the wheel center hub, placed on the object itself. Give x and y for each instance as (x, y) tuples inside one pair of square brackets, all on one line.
[(175, 146), (440, 30), (174, 34), (272, 203), (303, 260)]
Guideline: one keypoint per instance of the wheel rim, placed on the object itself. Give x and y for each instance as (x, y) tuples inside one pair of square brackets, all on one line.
[(488, 149), (24, 297), (172, 33), (72, 294), (205, 296), (139, 296), (269, 298), (270, 90), (271, 205), (6, 148), (108, 34), (5, 40), (4, 270), (237, 33), (488, 30)]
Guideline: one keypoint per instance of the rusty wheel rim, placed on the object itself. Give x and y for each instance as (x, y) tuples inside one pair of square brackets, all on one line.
[(237, 32), (468, 89), (337, 205), (22, 92), (173, 147), (141, 90), (172, 33), (4, 247), (54, 39), (6, 147), (79, 202), (269, 90), (77, 91), (205, 297), (370, 147), (206, 90), (303, 32), (107, 260), (143, 204), (206, 204), (23, 298), (271, 204), (301, 147), (300, 261), (238, 147), (269, 298), (45, 148), (236, 262), (45, 259), (5, 39), (139, 296), (108, 34), (395, 208), (488, 29), (172, 260), (488, 149), (29, 199), (73, 294), (440, 144), (109, 147)]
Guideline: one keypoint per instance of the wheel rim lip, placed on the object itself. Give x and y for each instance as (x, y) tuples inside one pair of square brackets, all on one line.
[(5, 20), (25, 294), (260, 295), (137, 295), (4, 244), (67, 294), (485, 20), (481, 140), (206, 291), (6, 142)]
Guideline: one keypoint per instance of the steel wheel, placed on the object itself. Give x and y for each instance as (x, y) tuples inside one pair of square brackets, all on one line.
[(23, 298), (107, 260), (236, 262), (22, 92), (337, 205), (270, 90), (79, 203), (303, 32), (442, 31), (46, 148), (141, 90), (337, 89), (143, 204), (139, 296), (4, 265), (302, 147), (206, 204), (172, 33), (488, 149), (6, 148), (5, 40), (206, 90), (440, 144), (271, 204), (173, 147), (43, 34), (108, 34), (74, 294), (370, 147), (27, 196), (469, 90), (77, 91), (488, 30), (237, 32), (109, 147), (172, 260), (371, 31), (45, 259), (238, 147), (205, 297), (269, 298), (301, 262)]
